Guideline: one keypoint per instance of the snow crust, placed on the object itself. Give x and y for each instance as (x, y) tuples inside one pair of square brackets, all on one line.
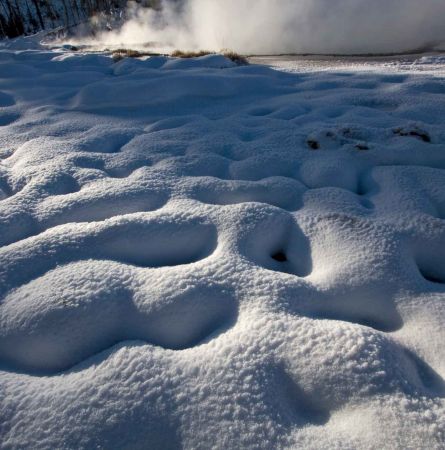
[(202, 255)]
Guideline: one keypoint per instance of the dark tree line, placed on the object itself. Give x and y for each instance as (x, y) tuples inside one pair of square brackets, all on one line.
[(19, 17)]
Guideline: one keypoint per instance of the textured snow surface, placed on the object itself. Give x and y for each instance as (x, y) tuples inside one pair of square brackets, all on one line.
[(200, 255)]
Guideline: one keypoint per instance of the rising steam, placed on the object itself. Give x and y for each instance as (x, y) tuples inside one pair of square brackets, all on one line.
[(285, 26)]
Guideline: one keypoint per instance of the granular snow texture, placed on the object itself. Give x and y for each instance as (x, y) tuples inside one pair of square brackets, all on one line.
[(202, 255)]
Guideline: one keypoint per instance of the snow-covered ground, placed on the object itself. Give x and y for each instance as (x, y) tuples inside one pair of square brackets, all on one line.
[(202, 255), (428, 63)]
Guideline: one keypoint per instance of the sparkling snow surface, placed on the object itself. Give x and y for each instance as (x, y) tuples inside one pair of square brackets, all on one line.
[(201, 255)]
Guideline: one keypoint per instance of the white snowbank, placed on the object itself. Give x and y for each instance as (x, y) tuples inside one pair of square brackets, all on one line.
[(202, 255)]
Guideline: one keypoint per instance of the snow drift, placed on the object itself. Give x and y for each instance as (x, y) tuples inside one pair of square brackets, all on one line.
[(288, 26), (196, 255)]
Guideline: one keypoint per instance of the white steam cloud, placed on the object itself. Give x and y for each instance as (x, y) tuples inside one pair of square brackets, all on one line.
[(286, 26)]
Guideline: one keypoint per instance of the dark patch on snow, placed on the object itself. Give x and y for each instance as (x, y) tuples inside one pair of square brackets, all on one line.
[(413, 132), (279, 256), (313, 144)]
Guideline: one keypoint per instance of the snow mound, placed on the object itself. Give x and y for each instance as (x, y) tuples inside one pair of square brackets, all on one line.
[(196, 254)]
